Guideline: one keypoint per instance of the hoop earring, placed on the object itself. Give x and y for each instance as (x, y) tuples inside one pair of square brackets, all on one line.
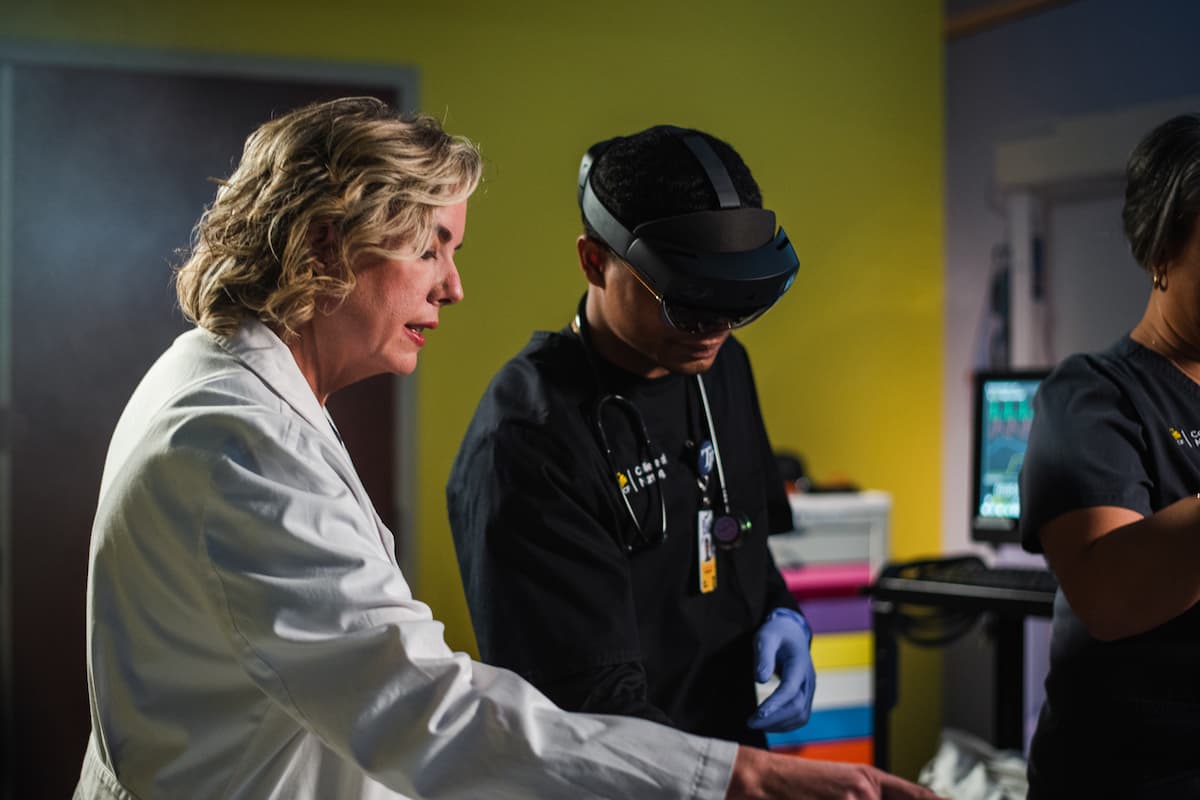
[(1159, 279)]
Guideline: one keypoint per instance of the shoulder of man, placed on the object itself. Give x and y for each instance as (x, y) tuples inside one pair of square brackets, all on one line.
[(542, 387), (550, 371)]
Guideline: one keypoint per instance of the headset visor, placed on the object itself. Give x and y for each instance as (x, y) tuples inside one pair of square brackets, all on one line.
[(692, 319), (705, 292)]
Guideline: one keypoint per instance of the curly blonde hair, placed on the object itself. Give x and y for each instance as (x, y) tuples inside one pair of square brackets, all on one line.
[(315, 190)]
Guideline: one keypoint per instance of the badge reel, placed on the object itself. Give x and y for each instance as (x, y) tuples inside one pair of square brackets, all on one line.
[(722, 530)]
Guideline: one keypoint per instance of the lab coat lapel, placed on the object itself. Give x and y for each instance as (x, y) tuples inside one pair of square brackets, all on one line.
[(265, 354), (257, 346)]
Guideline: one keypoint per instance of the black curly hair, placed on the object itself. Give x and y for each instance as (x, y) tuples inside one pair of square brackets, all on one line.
[(653, 174)]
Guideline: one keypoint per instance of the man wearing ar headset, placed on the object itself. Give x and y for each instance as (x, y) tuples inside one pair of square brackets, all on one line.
[(612, 498)]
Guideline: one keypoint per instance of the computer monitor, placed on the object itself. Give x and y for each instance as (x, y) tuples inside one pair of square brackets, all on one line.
[(1003, 413)]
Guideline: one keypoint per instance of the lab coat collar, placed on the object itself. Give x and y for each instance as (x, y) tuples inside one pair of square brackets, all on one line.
[(265, 354)]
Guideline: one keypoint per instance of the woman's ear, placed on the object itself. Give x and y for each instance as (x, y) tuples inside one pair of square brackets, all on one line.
[(593, 257), (330, 266), (323, 241)]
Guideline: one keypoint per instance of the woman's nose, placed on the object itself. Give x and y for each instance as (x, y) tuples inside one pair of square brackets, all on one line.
[(451, 289)]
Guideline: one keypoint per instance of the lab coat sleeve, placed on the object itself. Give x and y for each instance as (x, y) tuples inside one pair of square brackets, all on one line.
[(550, 590), (323, 621)]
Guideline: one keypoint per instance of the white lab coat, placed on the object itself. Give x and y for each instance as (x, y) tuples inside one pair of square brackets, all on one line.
[(251, 636)]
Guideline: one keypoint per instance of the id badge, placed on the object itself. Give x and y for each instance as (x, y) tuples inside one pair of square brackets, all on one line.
[(706, 553)]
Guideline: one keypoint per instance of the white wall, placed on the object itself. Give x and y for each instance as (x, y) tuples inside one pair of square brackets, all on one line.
[(1096, 290)]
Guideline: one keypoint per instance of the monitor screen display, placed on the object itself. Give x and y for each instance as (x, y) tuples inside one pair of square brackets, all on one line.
[(1003, 415)]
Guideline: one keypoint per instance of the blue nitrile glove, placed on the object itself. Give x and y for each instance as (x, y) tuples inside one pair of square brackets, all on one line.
[(782, 645)]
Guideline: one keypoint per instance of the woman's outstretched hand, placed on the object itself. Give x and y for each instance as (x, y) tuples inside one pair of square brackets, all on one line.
[(760, 775)]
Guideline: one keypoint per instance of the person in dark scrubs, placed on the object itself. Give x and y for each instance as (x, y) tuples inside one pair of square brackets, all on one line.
[(1109, 494), (612, 498)]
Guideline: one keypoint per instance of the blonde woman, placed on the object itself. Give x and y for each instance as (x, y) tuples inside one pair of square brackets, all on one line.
[(249, 632)]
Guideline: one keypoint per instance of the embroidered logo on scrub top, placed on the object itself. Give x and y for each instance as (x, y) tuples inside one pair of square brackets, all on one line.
[(639, 476), (1185, 438)]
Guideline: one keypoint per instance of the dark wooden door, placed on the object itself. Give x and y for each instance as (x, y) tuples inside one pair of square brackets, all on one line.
[(110, 170)]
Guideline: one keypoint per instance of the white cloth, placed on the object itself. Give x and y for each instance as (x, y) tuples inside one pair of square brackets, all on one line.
[(251, 636), (967, 768)]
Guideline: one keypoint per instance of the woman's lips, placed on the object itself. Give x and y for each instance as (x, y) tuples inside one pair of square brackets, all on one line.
[(416, 333)]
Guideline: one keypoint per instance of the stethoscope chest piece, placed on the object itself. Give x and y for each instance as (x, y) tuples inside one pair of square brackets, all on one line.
[(730, 529)]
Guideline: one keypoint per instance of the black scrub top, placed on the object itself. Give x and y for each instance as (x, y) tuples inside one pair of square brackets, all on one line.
[(541, 531), (1121, 718)]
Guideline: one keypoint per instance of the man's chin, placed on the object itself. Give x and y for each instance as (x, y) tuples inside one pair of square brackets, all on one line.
[(692, 367)]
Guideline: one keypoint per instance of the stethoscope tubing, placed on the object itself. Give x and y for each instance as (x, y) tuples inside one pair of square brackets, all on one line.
[(580, 327)]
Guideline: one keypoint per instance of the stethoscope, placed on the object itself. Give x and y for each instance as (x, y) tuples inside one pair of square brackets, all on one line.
[(729, 527), (642, 538)]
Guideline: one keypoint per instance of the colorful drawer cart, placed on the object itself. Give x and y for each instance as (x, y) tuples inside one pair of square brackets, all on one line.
[(839, 543)]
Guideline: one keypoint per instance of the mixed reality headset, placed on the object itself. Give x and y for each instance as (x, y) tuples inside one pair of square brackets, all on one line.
[(710, 270)]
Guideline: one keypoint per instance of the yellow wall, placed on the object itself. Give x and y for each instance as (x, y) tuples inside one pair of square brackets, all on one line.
[(836, 105)]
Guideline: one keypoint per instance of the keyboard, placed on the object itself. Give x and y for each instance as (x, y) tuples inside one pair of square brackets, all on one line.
[(972, 572)]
